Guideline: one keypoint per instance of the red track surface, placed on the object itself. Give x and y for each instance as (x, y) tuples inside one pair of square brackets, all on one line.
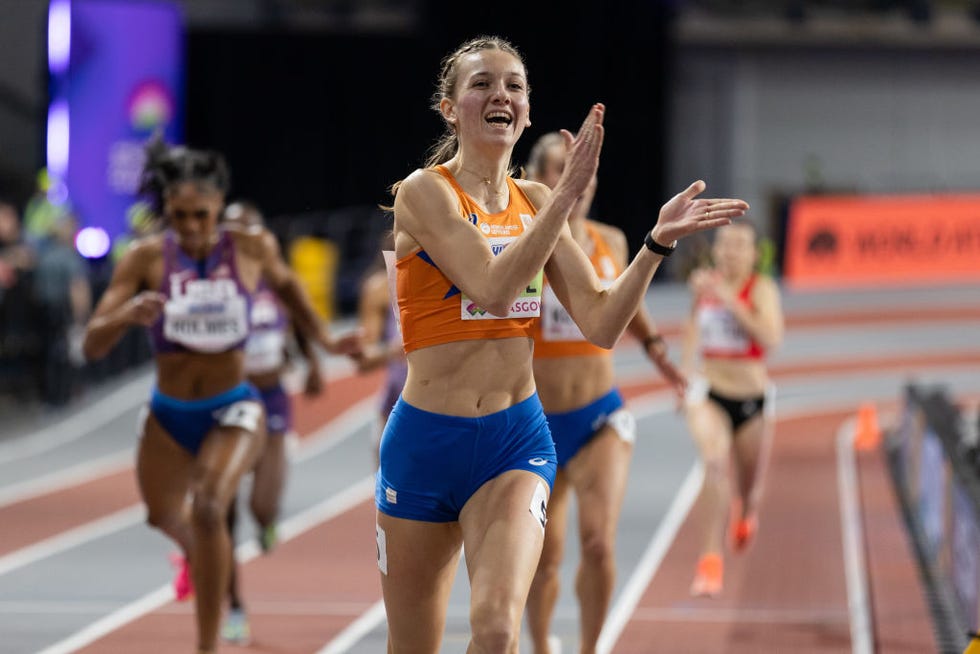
[(787, 594)]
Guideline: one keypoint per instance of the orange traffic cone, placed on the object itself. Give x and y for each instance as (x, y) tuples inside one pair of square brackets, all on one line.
[(867, 435)]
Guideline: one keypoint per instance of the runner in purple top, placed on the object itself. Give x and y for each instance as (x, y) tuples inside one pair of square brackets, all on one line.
[(266, 360), (204, 427)]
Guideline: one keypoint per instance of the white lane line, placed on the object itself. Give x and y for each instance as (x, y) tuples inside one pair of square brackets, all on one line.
[(89, 419), (855, 570), (348, 422), (75, 475), (641, 407), (329, 436), (356, 630), (741, 615), (114, 620), (85, 421), (72, 538), (649, 563), (625, 604), (289, 529)]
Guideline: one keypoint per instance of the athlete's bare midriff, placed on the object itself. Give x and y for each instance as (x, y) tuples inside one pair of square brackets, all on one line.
[(736, 378), (194, 376), (567, 383), (470, 378)]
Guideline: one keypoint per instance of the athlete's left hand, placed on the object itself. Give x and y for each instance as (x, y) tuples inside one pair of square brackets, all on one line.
[(674, 377), (351, 344), (314, 382), (685, 214)]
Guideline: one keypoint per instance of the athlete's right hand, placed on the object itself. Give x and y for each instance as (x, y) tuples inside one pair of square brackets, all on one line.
[(582, 153), (144, 309)]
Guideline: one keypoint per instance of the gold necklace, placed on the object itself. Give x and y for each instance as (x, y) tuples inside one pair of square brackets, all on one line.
[(486, 180)]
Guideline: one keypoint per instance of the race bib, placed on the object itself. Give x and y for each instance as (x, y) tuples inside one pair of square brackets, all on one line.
[(527, 304), (209, 316), (265, 350), (720, 330), (556, 322)]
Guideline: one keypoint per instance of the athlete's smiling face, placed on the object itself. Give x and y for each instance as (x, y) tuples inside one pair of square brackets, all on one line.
[(491, 98), (192, 209)]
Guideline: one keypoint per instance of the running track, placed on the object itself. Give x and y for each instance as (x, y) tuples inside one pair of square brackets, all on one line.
[(830, 571)]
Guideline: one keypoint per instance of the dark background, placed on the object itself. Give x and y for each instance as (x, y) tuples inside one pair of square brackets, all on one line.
[(320, 121)]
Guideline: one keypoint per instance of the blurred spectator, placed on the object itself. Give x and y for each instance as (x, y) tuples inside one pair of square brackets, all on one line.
[(62, 289), (15, 256), (19, 338), (141, 221), (44, 208)]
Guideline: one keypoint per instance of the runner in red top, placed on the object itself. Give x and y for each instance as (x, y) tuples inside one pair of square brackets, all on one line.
[(736, 318)]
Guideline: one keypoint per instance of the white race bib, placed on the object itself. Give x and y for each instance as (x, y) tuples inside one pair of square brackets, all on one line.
[(556, 322), (527, 304), (265, 350), (209, 316), (720, 331)]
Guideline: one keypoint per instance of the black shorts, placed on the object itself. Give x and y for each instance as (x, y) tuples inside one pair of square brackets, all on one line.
[(738, 411)]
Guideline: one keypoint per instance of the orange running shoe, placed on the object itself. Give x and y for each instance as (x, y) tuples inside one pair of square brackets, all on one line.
[(743, 532), (708, 577), (183, 585)]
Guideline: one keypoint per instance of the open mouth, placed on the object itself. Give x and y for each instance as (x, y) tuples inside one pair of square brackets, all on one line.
[(499, 119)]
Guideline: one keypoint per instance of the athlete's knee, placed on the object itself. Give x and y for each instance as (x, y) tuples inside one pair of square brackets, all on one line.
[(495, 627), (208, 512), (716, 467), (548, 569), (165, 521), (597, 548)]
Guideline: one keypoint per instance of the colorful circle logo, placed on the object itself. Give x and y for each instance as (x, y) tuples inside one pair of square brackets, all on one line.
[(150, 106)]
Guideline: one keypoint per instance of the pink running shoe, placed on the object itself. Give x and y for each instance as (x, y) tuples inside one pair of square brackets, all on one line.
[(183, 585)]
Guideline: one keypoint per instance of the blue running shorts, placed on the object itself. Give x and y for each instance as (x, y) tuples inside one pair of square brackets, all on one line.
[(431, 463), (278, 410), (189, 421), (573, 429)]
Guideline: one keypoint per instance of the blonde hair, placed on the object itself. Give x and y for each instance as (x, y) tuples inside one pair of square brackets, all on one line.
[(535, 160)]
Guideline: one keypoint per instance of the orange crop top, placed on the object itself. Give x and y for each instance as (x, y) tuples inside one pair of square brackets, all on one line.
[(556, 334), (433, 310)]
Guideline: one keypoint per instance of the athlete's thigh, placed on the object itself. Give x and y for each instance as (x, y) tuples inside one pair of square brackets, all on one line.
[(418, 562), (598, 473), (163, 470), (751, 439), (503, 530), (710, 428), (557, 521), (226, 454)]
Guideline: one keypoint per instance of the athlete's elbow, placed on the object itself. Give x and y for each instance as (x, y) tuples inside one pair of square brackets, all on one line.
[(493, 301), (498, 307), (602, 336)]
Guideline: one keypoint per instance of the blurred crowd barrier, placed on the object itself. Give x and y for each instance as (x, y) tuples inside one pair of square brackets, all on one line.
[(935, 459)]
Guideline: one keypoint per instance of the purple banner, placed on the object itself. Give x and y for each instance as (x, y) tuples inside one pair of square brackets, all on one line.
[(123, 81)]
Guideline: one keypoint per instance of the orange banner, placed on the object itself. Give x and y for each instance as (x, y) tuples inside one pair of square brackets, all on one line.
[(837, 241)]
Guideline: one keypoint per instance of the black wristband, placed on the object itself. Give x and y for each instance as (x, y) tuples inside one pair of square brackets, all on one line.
[(653, 246)]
